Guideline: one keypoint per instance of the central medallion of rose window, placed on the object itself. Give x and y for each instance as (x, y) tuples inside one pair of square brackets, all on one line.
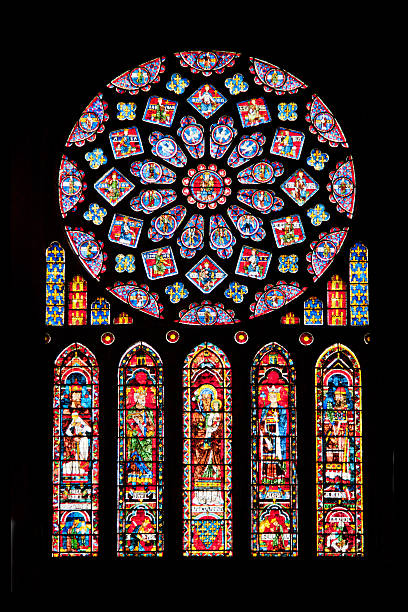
[(206, 186)]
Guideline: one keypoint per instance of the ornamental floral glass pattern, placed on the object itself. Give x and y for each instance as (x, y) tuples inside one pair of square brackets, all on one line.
[(207, 422), (339, 476), (75, 453), (140, 453), (274, 530)]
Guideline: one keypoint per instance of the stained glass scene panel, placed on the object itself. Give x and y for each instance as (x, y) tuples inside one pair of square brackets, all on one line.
[(75, 453), (140, 454), (207, 422), (273, 454), (339, 477)]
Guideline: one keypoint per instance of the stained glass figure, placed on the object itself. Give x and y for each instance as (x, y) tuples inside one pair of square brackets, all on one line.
[(358, 279), (207, 424), (339, 476), (324, 124), (140, 453), (206, 100), (343, 187), (274, 530), (90, 122), (140, 78), (287, 143), (207, 62), (77, 301), (126, 142), (138, 296), (207, 313), (75, 453), (336, 301), (160, 111), (55, 285)]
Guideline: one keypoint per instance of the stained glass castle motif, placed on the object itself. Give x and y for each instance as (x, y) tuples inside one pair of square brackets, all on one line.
[(244, 275)]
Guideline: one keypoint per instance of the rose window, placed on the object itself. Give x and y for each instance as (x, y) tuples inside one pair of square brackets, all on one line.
[(206, 188)]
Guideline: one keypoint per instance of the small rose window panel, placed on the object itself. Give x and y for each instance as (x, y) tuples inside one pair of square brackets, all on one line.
[(274, 530), (339, 469), (140, 454), (207, 422), (75, 453)]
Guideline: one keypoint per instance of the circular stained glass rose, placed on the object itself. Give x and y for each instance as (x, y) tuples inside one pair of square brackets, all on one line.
[(206, 156)]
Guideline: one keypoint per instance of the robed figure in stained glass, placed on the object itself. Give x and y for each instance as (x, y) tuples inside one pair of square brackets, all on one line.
[(207, 445)]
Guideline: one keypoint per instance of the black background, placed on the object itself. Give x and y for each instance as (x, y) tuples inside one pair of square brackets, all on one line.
[(58, 67)]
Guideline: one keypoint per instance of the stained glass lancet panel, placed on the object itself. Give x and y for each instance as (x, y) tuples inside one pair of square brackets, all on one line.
[(140, 453), (358, 278), (313, 311), (55, 285), (77, 301), (274, 522), (75, 453), (336, 301), (339, 474), (207, 422)]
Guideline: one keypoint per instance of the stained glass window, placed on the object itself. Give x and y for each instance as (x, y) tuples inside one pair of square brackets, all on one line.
[(273, 454), (77, 301), (75, 453), (358, 279), (55, 285), (313, 311), (203, 199), (100, 312), (336, 301), (339, 476), (222, 161), (140, 453), (207, 465)]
